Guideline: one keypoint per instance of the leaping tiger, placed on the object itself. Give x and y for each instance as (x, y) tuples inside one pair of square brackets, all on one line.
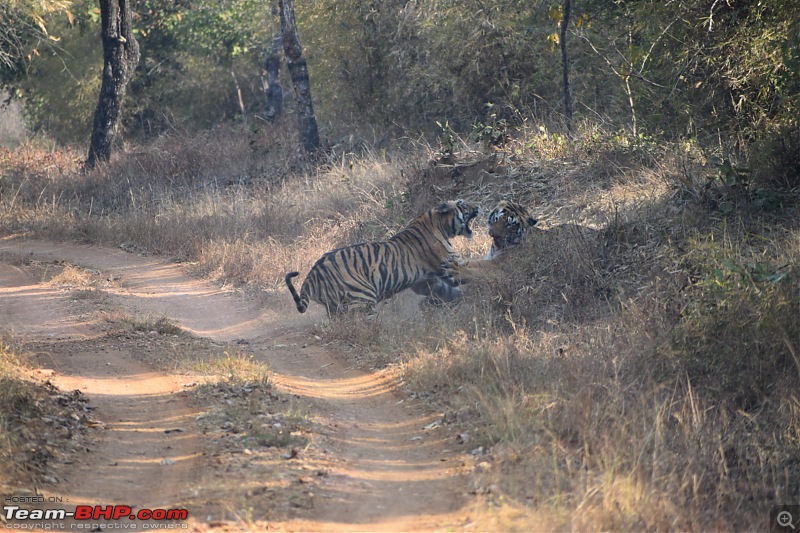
[(361, 275)]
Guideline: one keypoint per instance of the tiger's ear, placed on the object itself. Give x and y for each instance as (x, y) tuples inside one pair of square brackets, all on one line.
[(443, 208), (532, 221)]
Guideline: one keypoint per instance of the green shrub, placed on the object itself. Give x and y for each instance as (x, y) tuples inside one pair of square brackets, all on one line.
[(739, 333)]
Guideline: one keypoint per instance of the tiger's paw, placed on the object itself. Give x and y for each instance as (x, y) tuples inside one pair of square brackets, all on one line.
[(452, 270)]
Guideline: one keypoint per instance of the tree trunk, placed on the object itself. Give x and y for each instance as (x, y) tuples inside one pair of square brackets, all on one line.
[(274, 106), (631, 104), (298, 71), (565, 64), (239, 100), (120, 57)]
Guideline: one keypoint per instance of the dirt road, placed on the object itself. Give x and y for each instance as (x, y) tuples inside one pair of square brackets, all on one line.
[(382, 469)]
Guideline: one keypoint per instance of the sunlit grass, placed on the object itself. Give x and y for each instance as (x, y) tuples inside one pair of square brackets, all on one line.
[(632, 366)]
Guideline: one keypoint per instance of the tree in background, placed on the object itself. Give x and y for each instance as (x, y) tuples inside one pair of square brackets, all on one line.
[(298, 71), (120, 57), (202, 64), (723, 73), (274, 103), (565, 65)]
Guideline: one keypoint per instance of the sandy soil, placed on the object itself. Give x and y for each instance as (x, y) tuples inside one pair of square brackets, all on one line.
[(371, 464)]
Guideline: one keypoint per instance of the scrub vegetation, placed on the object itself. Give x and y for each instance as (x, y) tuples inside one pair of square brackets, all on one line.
[(632, 365)]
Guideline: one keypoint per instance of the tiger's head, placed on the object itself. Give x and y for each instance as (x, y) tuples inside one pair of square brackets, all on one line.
[(455, 216), (508, 223)]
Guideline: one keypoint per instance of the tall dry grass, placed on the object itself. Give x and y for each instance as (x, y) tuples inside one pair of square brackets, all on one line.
[(13, 393), (226, 200), (38, 424), (604, 426), (632, 366), (641, 374)]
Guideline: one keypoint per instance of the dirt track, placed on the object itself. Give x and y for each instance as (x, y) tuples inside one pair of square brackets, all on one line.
[(383, 470)]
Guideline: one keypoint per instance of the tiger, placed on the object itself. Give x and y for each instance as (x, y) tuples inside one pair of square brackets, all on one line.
[(508, 223), (362, 275)]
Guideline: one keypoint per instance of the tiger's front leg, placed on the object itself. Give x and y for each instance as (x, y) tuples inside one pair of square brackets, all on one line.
[(457, 271)]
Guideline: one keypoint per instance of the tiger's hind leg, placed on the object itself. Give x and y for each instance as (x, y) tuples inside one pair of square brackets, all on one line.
[(368, 309), (361, 305)]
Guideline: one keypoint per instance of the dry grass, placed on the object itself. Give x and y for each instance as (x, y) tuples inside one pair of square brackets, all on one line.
[(600, 419), (639, 376), (632, 366), (248, 406), (222, 200), (38, 423)]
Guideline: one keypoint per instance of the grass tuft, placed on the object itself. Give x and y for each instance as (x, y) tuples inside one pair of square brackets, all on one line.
[(249, 407), (38, 423)]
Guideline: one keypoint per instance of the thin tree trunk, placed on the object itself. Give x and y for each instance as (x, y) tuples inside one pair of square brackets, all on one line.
[(298, 71), (565, 64), (629, 93), (628, 70), (274, 105), (239, 100), (120, 57)]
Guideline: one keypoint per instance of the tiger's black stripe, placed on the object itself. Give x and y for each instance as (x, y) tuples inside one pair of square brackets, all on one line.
[(364, 274)]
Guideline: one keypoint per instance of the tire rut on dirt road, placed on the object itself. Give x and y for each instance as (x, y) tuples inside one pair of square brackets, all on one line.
[(148, 425), (388, 473)]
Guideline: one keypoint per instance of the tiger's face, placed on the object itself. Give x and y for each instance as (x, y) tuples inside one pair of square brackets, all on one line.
[(508, 223), (456, 216)]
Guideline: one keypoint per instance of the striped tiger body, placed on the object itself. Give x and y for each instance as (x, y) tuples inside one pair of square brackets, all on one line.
[(361, 275)]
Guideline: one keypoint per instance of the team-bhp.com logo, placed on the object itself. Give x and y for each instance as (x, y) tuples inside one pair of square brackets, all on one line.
[(19, 518)]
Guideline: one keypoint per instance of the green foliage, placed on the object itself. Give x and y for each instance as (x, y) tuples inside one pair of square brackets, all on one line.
[(447, 139), (492, 133), (726, 73), (192, 57), (223, 30), (730, 181), (62, 86), (24, 30), (721, 71), (411, 64), (679, 67), (738, 334), (730, 186)]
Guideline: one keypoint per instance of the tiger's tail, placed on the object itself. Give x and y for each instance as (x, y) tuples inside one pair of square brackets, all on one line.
[(302, 303)]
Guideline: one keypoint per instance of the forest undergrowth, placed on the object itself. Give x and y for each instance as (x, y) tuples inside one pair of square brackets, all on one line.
[(633, 365)]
